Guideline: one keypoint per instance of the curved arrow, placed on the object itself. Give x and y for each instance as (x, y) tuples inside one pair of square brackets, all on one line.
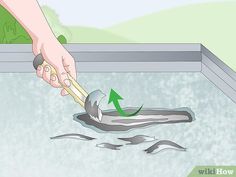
[(114, 98)]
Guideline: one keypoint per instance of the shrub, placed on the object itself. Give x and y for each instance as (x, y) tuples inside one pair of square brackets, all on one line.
[(11, 32)]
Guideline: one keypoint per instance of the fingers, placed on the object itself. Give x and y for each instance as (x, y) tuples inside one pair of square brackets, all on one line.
[(64, 92), (39, 71), (62, 76), (45, 73), (69, 65), (63, 67), (54, 81)]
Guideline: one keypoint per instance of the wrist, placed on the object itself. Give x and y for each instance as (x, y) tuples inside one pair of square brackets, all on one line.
[(42, 41), (43, 36)]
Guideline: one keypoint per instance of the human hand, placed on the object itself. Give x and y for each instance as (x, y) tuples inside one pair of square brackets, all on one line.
[(59, 58)]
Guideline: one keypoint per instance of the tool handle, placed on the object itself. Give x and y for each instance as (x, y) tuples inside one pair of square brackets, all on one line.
[(75, 90)]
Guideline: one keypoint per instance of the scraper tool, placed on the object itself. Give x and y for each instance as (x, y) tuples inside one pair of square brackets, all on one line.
[(90, 102)]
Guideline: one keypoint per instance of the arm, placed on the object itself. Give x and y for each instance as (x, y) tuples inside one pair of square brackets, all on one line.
[(30, 16)]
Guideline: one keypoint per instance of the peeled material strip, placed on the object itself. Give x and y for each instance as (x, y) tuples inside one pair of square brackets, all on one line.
[(109, 146), (163, 145), (138, 139), (73, 136), (112, 121)]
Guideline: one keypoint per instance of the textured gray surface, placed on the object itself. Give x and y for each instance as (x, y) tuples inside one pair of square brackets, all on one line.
[(32, 111)]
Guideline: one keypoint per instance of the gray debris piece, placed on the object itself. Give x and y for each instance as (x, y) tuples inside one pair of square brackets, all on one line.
[(112, 121), (109, 146), (138, 139), (73, 136), (164, 145)]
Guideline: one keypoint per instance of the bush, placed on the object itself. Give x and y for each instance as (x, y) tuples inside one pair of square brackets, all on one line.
[(62, 39), (11, 32)]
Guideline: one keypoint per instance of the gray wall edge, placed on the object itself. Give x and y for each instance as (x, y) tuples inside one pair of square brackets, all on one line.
[(132, 58), (218, 73)]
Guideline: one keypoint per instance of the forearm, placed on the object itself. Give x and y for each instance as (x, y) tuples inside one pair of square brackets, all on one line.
[(30, 16)]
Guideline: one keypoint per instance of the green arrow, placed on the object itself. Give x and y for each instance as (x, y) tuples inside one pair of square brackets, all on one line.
[(115, 97)]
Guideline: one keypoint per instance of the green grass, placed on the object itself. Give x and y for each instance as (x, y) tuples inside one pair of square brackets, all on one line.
[(211, 24), (11, 32)]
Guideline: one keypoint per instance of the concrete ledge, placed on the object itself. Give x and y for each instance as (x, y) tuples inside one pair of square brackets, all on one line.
[(132, 58), (219, 73), (220, 83), (27, 48)]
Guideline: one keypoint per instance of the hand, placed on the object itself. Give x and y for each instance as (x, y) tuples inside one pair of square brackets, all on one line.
[(59, 58), (44, 42)]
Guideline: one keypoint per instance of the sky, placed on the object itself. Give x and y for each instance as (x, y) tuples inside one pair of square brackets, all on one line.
[(105, 13)]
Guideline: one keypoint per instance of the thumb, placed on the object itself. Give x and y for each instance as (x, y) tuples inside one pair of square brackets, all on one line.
[(63, 76)]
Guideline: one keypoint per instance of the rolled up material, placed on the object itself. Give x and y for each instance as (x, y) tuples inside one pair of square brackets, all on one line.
[(112, 121)]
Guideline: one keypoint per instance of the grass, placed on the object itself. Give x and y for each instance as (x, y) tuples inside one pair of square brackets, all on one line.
[(10, 30)]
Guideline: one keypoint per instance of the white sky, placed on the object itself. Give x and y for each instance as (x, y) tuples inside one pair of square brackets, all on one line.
[(104, 13)]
